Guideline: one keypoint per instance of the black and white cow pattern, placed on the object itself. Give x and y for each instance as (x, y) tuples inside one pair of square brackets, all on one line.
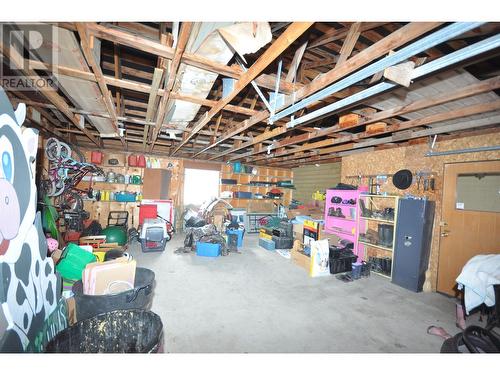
[(29, 288)]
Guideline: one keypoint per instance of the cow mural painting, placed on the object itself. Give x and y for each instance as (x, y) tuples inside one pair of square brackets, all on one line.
[(29, 288)]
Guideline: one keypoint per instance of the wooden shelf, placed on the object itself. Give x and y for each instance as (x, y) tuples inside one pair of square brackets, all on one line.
[(343, 218), (378, 196), (109, 183), (376, 246), (340, 231), (378, 220), (244, 183), (93, 201), (344, 205)]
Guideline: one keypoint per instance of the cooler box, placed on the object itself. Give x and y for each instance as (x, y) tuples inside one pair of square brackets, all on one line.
[(239, 233), (207, 249)]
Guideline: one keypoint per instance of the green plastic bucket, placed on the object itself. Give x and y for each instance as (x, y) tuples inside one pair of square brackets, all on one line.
[(73, 262)]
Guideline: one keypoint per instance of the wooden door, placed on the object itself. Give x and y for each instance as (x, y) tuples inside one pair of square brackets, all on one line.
[(467, 228), (156, 184)]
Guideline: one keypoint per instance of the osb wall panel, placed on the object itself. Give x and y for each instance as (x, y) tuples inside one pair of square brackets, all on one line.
[(412, 157), (308, 179)]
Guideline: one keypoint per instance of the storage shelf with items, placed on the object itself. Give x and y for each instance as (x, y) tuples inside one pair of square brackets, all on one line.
[(377, 227), (255, 188), (120, 189), (341, 213)]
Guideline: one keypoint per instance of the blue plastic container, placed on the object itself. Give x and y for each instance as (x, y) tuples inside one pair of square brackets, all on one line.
[(206, 249), (239, 233), (237, 167), (356, 270)]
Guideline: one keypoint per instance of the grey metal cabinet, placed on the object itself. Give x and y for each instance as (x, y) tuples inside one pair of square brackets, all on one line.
[(412, 243)]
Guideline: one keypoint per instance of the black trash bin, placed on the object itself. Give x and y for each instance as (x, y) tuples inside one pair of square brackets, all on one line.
[(121, 331), (139, 298)]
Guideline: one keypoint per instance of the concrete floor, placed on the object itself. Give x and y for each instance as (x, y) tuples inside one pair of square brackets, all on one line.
[(258, 301)]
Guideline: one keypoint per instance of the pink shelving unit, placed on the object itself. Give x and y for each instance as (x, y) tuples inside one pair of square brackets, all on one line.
[(344, 227)]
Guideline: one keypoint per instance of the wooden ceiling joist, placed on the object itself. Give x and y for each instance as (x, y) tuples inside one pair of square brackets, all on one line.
[(292, 32), (96, 69), (467, 91), (398, 38), (170, 79), (48, 92)]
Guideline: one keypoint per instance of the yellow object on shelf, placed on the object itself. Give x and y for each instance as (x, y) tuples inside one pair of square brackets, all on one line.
[(319, 196)]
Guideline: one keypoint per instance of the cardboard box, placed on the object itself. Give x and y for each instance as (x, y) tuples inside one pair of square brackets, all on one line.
[(298, 231), (260, 205), (298, 257), (71, 310), (56, 256), (313, 212)]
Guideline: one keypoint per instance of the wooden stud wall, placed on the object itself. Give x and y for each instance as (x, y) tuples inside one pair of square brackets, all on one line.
[(309, 178)]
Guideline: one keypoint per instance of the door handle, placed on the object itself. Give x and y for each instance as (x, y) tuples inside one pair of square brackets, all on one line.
[(445, 233)]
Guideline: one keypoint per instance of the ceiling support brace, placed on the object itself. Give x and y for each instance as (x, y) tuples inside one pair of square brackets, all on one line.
[(442, 62), (413, 49)]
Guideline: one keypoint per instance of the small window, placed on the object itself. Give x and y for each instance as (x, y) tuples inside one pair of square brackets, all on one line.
[(200, 185), (478, 192)]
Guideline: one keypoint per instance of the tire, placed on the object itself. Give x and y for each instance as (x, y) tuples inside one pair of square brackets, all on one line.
[(453, 344), (70, 201), (51, 148)]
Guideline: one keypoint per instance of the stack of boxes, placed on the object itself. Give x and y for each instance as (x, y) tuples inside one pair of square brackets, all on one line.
[(278, 237)]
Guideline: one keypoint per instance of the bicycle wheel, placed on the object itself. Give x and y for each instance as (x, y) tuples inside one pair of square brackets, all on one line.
[(64, 151), (52, 149)]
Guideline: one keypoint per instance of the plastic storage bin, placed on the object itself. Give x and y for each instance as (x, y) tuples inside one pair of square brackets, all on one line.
[(239, 233), (207, 249), (343, 264), (237, 167), (267, 244), (283, 242), (73, 262), (243, 194)]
